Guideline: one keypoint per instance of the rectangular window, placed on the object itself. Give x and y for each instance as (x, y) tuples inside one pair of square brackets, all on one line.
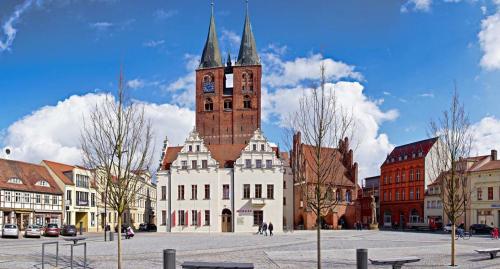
[(258, 191), (479, 194), (190, 148), (385, 196), (390, 180), (385, 179), (27, 198), (258, 216), (254, 147), (258, 163), (7, 196), (207, 191), (248, 163), (68, 197), (269, 163), (164, 193), (418, 194), (403, 194), (262, 147), (204, 164), (207, 217), (194, 218), (418, 174), (411, 194), (284, 184), (184, 165), (270, 191), (284, 200), (92, 199), (246, 191), (403, 174), (46, 199), (163, 217), (197, 148), (38, 199), (182, 218), (225, 191), (490, 193), (194, 164), (17, 197), (82, 198), (397, 195), (428, 204), (92, 218), (411, 174), (180, 192), (194, 192), (397, 177), (390, 195), (54, 200), (82, 181)]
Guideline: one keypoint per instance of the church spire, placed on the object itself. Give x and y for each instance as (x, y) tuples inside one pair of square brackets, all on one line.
[(211, 56), (248, 50)]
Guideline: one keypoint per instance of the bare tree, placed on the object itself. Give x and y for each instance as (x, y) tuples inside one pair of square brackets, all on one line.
[(455, 141), (317, 168), (116, 144)]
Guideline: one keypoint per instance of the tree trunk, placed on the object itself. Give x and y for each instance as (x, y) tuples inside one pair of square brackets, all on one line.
[(453, 233), (119, 241), (318, 235)]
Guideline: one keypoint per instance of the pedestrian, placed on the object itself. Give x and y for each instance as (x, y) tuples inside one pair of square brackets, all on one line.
[(260, 229), (264, 228), (271, 229)]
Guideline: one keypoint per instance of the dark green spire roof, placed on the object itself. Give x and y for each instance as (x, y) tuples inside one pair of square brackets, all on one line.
[(248, 50), (211, 56)]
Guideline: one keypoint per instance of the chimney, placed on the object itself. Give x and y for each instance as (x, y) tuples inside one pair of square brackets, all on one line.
[(493, 155)]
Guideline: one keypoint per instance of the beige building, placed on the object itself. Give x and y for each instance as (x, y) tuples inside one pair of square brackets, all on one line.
[(484, 180), (79, 203), (433, 205)]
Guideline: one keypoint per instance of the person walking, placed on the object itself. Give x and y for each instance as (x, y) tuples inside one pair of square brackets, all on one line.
[(271, 229), (264, 228), (260, 229)]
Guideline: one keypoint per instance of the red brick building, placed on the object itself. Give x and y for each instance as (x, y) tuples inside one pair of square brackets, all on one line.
[(404, 177), (344, 181)]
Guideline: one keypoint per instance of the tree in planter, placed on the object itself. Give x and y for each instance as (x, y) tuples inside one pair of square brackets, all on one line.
[(455, 141), (318, 165), (116, 144)]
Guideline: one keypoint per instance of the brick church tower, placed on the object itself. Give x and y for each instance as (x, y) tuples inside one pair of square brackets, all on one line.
[(228, 97)]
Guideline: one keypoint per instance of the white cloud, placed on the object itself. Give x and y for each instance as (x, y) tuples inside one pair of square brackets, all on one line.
[(8, 27), (416, 5), (372, 146), (53, 132), (135, 83), (153, 43), (289, 73), (101, 26), (230, 37), (386, 93), (489, 39), (162, 14), (427, 95), (184, 88), (486, 136)]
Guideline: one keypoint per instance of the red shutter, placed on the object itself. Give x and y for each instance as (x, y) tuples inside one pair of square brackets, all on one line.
[(173, 219), (199, 218), (187, 218)]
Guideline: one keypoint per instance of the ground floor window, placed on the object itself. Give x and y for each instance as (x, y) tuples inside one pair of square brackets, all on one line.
[(92, 219), (194, 218), (207, 217), (387, 217), (163, 217), (414, 217), (182, 220), (258, 217)]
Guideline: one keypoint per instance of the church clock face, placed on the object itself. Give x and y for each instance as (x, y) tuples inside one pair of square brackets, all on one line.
[(208, 86)]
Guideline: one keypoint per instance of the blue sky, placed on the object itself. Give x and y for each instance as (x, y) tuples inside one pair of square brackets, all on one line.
[(407, 55)]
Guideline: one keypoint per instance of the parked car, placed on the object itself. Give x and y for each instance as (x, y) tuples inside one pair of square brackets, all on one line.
[(480, 229), (51, 230), (33, 231), (68, 230), (10, 230), (447, 228), (147, 227)]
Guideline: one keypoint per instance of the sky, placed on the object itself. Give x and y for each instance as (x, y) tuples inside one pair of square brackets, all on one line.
[(395, 63)]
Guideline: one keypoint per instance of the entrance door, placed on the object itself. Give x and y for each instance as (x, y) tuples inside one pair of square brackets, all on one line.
[(226, 221)]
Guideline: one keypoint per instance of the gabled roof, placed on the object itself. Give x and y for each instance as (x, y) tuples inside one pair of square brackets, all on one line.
[(211, 56), (248, 49), (60, 169), (170, 157), (29, 174), (491, 165), (408, 150)]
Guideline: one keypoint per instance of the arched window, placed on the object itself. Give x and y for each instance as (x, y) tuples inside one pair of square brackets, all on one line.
[(228, 104), (348, 197), (246, 102), (247, 81), (209, 105), (208, 83)]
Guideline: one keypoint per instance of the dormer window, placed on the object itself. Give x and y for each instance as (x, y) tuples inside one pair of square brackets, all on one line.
[(42, 183), (209, 105), (15, 180)]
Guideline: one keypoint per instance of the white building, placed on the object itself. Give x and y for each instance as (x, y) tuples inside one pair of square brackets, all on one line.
[(28, 195), (80, 196), (220, 188)]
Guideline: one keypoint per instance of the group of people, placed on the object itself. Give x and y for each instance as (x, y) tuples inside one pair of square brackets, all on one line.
[(264, 227), (358, 225)]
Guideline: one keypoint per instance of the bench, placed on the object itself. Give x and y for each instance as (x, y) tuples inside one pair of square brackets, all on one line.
[(396, 263), (492, 251), (75, 239), (216, 265)]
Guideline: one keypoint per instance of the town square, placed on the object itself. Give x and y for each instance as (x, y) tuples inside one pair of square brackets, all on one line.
[(249, 134)]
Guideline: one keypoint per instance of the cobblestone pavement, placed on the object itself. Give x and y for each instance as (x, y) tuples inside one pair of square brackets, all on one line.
[(289, 250)]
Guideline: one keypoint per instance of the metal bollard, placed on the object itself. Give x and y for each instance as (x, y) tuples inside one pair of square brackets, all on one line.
[(169, 259), (81, 227), (111, 236), (362, 258)]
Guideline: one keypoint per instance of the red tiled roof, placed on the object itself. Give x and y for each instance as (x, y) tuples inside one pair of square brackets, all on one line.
[(59, 169), (170, 157), (226, 153), (420, 146), (29, 174)]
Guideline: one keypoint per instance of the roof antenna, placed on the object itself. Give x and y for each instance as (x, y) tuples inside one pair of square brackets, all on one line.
[(212, 6)]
